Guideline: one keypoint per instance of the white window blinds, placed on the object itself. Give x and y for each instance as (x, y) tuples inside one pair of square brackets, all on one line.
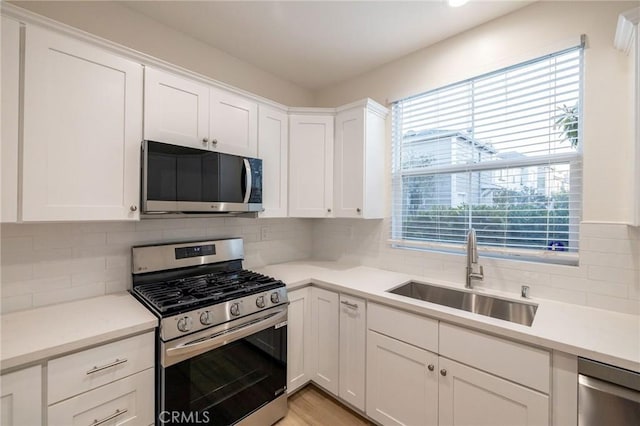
[(499, 153)]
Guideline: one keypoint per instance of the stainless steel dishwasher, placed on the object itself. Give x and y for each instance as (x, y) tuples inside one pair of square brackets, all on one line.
[(607, 395)]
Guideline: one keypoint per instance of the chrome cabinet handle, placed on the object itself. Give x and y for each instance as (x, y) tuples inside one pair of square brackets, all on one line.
[(443, 372), (97, 422), (349, 305), (133, 208), (95, 369), (431, 367)]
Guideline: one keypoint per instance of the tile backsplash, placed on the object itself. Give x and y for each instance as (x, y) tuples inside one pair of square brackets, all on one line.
[(607, 277), (42, 264)]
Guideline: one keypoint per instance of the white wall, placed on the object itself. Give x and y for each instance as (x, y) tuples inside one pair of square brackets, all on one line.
[(532, 31), (609, 273), (49, 263), (132, 29)]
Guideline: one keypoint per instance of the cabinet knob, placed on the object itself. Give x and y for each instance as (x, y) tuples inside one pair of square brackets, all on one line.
[(328, 210), (214, 141), (133, 208), (205, 140), (431, 367), (443, 372), (358, 210)]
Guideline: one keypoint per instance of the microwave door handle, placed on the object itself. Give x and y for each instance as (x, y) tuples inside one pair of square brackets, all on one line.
[(247, 171)]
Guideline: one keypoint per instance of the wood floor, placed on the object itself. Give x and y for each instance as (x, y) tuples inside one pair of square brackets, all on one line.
[(311, 406)]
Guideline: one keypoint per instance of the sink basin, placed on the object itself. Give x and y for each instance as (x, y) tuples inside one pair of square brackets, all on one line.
[(508, 310)]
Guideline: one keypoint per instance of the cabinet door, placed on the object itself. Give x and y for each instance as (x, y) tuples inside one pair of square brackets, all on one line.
[(125, 401), (233, 124), (472, 397), (324, 331), (82, 131), (349, 163), (353, 330), (176, 110), (298, 339), (21, 397), (310, 166), (402, 382), (273, 148), (9, 92)]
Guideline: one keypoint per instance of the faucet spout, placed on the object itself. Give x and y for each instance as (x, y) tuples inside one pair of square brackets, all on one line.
[(472, 259)]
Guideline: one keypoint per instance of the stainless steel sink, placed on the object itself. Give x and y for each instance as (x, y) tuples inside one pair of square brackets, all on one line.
[(504, 309)]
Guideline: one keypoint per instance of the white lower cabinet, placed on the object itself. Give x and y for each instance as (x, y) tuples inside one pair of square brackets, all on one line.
[(109, 384), (492, 381), (298, 339), (353, 331), (125, 401), (21, 397), (402, 382), (472, 397), (325, 343)]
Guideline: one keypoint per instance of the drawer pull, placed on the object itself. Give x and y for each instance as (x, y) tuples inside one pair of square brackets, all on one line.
[(97, 422), (350, 305), (95, 369)]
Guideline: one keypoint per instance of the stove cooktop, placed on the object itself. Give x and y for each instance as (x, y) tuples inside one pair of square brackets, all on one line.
[(177, 295)]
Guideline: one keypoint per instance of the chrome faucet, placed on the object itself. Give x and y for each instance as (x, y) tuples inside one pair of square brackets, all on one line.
[(472, 258)]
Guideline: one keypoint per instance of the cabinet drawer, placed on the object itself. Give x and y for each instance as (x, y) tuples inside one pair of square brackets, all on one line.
[(410, 328), (82, 371), (125, 401), (523, 364)]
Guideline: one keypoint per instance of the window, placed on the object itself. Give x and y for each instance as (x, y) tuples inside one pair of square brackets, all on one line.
[(500, 153)]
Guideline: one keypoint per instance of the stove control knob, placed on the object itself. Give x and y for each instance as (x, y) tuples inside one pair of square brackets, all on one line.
[(275, 297), (235, 309), (206, 318), (260, 302), (184, 324)]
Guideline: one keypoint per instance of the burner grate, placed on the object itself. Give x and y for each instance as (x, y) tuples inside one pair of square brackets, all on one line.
[(193, 292)]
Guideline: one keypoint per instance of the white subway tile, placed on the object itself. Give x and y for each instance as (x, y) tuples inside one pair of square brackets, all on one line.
[(16, 303), (606, 245), (117, 286), (53, 268), (613, 260), (16, 272), (627, 306), (9, 244), (35, 286), (66, 295), (613, 274)]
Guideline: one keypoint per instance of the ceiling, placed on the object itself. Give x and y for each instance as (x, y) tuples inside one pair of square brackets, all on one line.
[(315, 44)]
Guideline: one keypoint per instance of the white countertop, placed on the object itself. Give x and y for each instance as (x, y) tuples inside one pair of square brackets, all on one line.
[(597, 334), (37, 334)]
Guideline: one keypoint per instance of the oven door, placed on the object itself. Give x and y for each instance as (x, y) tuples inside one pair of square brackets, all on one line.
[(223, 374)]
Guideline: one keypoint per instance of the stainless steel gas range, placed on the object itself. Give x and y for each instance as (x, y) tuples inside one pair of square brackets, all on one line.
[(222, 341)]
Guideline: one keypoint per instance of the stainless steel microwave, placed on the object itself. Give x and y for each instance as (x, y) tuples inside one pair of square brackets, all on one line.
[(179, 179)]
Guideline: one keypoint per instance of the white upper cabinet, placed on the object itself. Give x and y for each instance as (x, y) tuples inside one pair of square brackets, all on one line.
[(82, 131), (359, 160), (9, 90), (310, 165), (233, 123), (176, 109), (273, 149), (182, 111)]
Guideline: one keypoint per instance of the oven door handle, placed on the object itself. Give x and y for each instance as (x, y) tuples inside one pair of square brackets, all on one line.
[(182, 351)]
